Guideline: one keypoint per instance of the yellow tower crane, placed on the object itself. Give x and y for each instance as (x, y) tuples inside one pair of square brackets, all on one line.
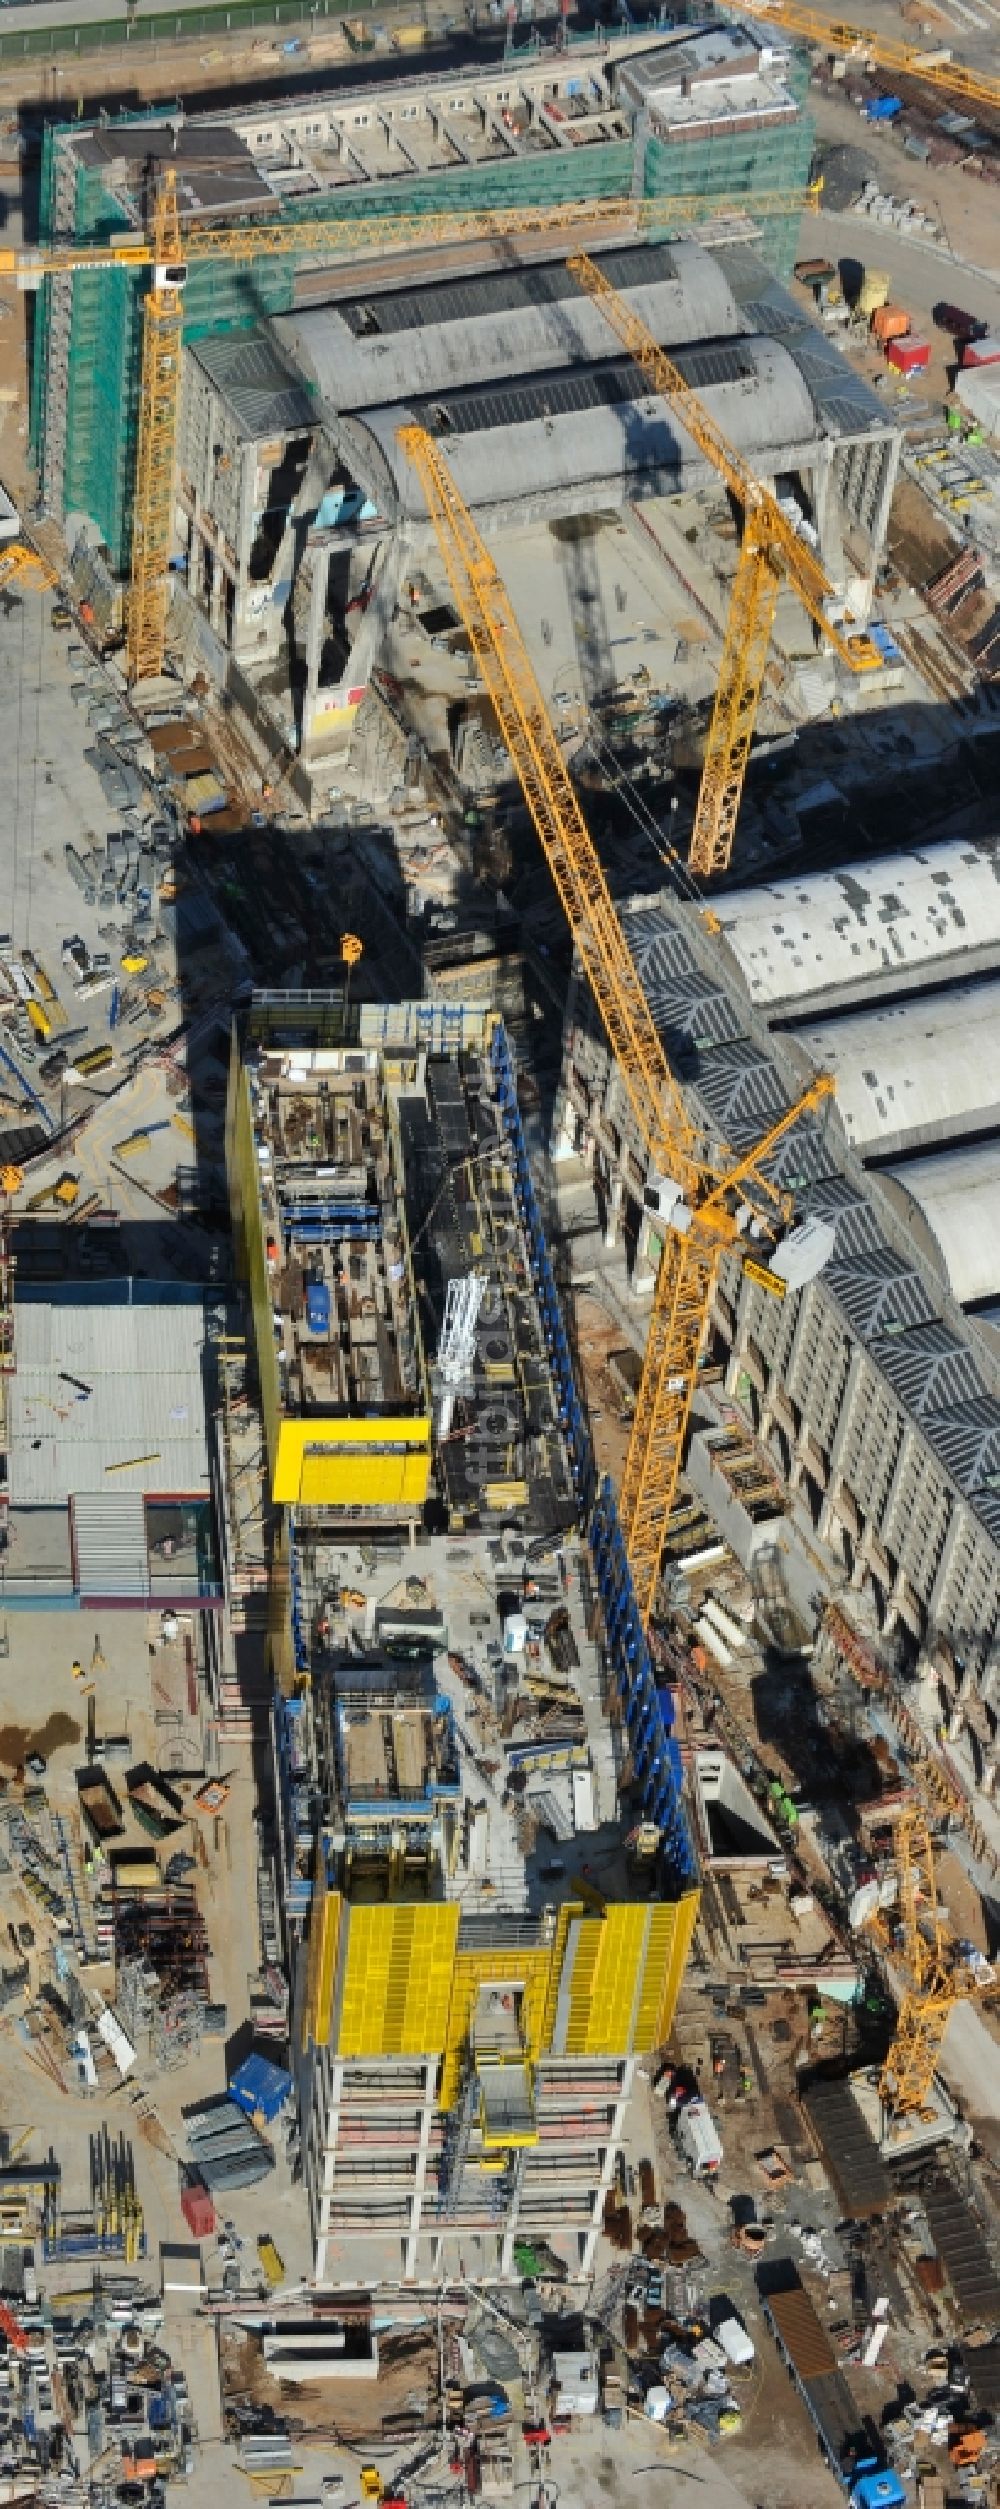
[(933, 68), (938, 1976), (773, 553), (169, 253), (708, 1199)]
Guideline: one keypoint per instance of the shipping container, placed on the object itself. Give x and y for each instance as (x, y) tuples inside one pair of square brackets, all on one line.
[(961, 325), (982, 352), (875, 290), (890, 322), (908, 356), (197, 2208)]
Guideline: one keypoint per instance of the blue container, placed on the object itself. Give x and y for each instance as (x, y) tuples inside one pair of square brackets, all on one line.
[(318, 1308), (260, 2086)]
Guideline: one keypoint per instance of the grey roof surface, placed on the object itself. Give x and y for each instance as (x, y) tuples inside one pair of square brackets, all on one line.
[(695, 52), (593, 431), (364, 351), (265, 397), (882, 1294), (864, 920), (144, 1368), (213, 164), (499, 292), (753, 379), (846, 404)]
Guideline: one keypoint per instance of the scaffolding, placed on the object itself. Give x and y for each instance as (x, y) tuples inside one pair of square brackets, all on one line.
[(87, 362)]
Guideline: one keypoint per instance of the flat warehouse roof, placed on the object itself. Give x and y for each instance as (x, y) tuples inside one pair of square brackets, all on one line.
[(99, 1387)]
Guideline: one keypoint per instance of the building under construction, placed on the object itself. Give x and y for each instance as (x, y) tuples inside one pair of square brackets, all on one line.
[(713, 114), (875, 1396), (488, 1886)]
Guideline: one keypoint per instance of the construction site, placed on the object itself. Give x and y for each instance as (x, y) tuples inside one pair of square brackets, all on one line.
[(499, 1379)]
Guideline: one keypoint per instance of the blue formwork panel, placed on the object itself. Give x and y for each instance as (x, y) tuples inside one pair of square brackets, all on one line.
[(646, 1711)]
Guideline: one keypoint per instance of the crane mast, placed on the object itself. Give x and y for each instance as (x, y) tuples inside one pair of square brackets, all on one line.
[(937, 1976), (772, 553), (705, 1195), (159, 403)]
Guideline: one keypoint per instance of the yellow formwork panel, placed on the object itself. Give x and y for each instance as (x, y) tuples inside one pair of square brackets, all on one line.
[(570, 1909), (324, 1935), (324, 1463), (529, 1969), (670, 1937), (604, 1989), (584, 1952), (397, 1971)]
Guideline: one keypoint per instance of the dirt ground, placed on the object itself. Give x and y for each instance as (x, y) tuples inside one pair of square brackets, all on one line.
[(610, 1414), (353, 2408)]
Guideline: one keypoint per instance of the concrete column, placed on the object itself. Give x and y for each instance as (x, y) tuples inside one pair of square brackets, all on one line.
[(938, 1593), (317, 617), (855, 1375), (607, 2177), (427, 2116), (562, 1144), (329, 2135), (615, 1201), (880, 518), (827, 519)]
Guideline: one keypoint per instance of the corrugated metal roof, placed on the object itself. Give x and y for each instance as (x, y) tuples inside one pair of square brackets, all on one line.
[(144, 1368), (878, 1293), (929, 1368), (264, 397), (109, 1542), (741, 1090), (836, 1199), (967, 1438), (806, 2342)]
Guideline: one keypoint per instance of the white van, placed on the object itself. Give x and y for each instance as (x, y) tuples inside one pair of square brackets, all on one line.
[(698, 2140)]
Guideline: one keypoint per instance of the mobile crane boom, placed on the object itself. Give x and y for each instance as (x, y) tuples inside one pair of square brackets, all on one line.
[(705, 1196), (772, 553)]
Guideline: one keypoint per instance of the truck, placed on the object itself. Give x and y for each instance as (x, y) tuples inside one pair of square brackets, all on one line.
[(318, 1308), (954, 319), (698, 2140), (847, 2436)]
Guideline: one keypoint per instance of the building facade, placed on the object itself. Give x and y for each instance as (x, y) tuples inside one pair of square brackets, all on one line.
[(875, 1396)]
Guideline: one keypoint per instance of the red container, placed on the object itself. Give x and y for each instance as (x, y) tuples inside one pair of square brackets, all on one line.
[(908, 355), (198, 2210), (985, 352)]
